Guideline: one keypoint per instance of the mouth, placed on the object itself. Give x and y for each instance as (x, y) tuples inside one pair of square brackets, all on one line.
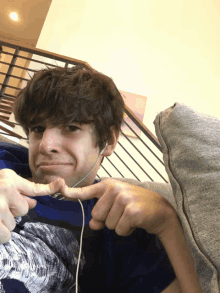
[(52, 165)]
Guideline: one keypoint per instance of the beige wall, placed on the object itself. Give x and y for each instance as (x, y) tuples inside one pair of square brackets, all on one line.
[(165, 50)]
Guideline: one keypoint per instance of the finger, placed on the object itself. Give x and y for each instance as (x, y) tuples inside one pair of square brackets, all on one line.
[(83, 193), (5, 234), (123, 227), (96, 225), (7, 218), (29, 188), (31, 202), (18, 203), (24, 206), (103, 207), (114, 215), (37, 189)]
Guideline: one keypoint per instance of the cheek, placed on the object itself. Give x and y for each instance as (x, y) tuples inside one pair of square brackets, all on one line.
[(31, 155), (84, 154), (92, 158)]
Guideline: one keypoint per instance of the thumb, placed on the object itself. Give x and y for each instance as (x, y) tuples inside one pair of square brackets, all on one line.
[(31, 202)]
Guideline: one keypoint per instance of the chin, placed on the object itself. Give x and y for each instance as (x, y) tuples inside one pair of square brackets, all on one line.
[(49, 178)]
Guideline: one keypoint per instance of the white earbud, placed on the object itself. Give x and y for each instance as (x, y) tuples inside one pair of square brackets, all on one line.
[(104, 148)]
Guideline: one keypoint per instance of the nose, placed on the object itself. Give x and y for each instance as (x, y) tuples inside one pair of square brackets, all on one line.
[(50, 141)]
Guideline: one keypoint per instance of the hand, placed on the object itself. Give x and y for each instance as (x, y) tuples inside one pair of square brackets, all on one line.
[(124, 207), (14, 203)]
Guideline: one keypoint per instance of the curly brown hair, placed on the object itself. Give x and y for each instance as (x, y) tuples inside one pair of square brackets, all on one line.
[(66, 95)]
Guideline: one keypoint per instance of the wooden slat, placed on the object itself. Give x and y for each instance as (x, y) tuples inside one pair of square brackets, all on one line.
[(10, 86), (6, 103), (4, 111), (2, 106), (4, 116), (8, 97), (17, 66), (10, 132), (9, 123), (14, 76)]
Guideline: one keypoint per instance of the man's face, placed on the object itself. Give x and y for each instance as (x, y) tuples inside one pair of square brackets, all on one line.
[(66, 151)]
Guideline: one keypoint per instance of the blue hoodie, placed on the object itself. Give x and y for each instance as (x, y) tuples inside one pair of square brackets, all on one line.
[(42, 254)]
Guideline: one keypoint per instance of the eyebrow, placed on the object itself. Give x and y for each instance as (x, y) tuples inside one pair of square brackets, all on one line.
[(43, 123), (35, 124)]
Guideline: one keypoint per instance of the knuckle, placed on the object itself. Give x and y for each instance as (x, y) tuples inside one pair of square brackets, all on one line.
[(107, 180), (115, 187), (8, 221), (7, 188), (134, 211), (130, 211), (23, 211), (4, 207), (7, 173), (12, 225), (112, 183), (5, 185), (123, 198), (119, 232), (109, 225), (58, 184), (5, 234), (80, 192), (21, 207), (6, 238), (96, 215), (36, 187), (135, 214)]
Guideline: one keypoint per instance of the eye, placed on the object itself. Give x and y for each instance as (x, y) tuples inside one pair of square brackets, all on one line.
[(37, 129), (71, 128)]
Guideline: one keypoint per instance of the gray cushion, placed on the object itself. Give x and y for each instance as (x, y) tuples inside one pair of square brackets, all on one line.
[(190, 143)]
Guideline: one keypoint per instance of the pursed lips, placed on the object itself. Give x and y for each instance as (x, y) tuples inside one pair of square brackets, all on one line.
[(52, 164)]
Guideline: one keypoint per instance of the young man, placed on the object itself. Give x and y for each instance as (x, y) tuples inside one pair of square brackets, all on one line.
[(73, 118)]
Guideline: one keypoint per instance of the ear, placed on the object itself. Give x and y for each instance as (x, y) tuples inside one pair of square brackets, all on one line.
[(111, 143)]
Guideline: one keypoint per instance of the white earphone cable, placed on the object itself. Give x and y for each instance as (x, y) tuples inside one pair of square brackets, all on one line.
[(56, 195), (80, 250)]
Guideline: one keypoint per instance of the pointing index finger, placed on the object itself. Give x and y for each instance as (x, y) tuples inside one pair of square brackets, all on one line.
[(38, 189)]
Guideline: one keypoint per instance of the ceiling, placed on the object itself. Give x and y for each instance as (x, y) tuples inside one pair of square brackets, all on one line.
[(32, 14)]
